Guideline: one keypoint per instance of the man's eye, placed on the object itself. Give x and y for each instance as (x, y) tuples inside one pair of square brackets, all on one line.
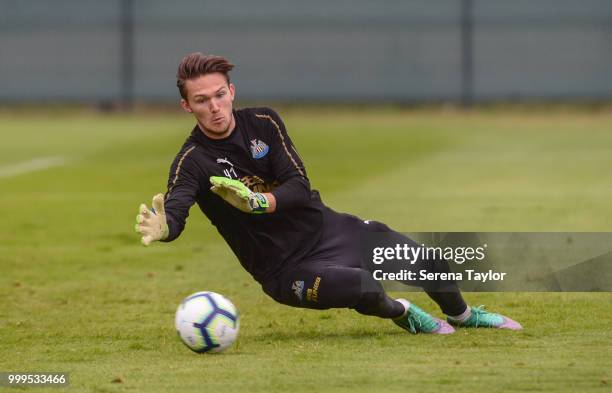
[(221, 94)]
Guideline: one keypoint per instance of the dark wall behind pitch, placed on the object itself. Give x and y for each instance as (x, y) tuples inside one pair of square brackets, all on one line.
[(346, 50)]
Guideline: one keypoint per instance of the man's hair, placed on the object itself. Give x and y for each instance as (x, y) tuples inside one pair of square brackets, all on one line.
[(197, 64)]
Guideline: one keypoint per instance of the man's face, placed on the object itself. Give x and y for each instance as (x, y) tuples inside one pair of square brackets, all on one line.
[(210, 98)]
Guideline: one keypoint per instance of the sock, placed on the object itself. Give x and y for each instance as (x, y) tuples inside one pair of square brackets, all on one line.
[(405, 305), (380, 305), (461, 317), (450, 302)]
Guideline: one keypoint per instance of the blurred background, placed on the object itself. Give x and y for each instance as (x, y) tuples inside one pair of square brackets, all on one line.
[(463, 51)]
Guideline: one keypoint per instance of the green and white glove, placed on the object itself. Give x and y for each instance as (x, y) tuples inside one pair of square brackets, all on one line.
[(238, 195), (151, 224)]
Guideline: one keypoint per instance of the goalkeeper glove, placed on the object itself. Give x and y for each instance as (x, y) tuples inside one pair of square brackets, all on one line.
[(238, 195), (151, 224)]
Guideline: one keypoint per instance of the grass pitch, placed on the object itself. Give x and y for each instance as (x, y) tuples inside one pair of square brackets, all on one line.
[(79, 294)]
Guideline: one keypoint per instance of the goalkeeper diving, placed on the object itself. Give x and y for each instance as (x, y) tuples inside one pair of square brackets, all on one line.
[(242, 169)]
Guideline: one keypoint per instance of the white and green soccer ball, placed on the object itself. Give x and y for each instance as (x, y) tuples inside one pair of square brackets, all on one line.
[(207, 322)]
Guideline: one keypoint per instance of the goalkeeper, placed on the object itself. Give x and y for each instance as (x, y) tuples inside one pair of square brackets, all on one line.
[(243, 171)]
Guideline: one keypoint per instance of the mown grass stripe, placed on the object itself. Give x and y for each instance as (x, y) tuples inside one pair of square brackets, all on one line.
[(36, 164)]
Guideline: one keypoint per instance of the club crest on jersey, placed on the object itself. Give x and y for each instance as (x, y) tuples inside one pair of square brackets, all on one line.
[(258, 148)]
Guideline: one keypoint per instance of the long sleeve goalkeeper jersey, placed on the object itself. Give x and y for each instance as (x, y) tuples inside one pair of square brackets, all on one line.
[(261, 155)]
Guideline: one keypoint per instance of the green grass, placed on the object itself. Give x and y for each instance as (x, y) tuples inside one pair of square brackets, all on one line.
[(79, 294)]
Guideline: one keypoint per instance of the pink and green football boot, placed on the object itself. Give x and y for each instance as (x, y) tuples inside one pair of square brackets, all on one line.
[(480, 318), (416, 321)]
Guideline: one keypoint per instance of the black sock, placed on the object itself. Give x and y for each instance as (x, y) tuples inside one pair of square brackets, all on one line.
[(451, 303), (380, 305)]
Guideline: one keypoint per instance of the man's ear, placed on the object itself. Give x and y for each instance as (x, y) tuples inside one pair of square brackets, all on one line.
[(186, 106), (232, 90)]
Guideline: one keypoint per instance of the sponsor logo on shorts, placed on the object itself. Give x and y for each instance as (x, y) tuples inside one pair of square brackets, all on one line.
[(312, 294), (298, 288)]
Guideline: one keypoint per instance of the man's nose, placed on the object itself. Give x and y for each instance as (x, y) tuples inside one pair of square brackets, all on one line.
[(214, 107)]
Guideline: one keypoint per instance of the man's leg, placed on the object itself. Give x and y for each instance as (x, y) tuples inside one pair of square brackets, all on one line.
[(325, 284), (319, 285), (445, 293), (450, 302)]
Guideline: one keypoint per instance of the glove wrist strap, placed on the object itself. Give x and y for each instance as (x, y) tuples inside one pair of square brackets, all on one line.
[(258, 202)]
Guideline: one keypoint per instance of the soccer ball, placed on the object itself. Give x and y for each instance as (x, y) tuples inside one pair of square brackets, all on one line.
[(207, 322)]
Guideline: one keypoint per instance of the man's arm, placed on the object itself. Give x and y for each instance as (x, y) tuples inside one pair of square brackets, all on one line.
[(183, 187), (288, 168), (241, 197)]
